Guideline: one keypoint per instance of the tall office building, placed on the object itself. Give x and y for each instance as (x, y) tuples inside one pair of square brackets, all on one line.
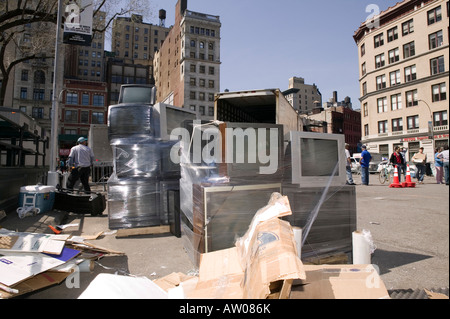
[(187, 67), (132, 38), (134, 44), (404, 77), (303, 97)]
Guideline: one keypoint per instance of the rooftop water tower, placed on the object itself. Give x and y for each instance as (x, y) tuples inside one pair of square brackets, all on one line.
[(162, 18)]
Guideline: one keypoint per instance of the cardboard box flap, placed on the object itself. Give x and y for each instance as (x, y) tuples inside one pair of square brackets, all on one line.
[(264, 255), (340, 282), (220, 275), (272, 257)]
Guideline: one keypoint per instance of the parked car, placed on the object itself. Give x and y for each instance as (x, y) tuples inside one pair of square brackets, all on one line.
[(356, 167), (374, 162)]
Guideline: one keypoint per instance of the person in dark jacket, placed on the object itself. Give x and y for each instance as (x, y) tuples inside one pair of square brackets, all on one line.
[(397, 160)]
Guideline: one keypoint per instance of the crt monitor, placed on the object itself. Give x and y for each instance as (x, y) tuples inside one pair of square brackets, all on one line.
[(137, 94), (316, 159)]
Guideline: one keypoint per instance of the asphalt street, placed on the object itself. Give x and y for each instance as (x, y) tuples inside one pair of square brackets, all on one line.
[(409, 227)]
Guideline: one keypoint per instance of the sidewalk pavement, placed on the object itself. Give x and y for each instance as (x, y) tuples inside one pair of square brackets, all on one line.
[(409, 226)]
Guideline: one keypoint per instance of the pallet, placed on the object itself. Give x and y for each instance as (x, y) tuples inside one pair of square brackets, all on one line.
[(340, 258), (122, 233)]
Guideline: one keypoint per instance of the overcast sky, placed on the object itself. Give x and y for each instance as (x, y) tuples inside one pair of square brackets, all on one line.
[(264, 43)]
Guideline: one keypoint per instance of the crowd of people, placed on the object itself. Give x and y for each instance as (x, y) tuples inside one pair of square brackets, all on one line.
[(398, 159)]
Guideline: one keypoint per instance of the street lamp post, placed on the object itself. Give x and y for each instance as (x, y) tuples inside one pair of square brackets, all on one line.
[(430, 127), (52, 174)]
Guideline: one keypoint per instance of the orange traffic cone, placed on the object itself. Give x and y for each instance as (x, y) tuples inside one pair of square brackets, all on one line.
[(408, 182), (396, 182)]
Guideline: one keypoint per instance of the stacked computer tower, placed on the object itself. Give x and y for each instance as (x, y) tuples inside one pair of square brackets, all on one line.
[(220, 196), (143, 190)]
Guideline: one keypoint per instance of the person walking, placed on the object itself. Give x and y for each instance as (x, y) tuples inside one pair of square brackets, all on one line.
[(444, 156), (405, 162), (420, 160), (365, 160), (397, 160), (81, 158), (439, 165), (348, 166)]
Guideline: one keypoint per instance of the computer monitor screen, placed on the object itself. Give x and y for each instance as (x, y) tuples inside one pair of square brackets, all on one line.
[(319, 157), (137, 94)]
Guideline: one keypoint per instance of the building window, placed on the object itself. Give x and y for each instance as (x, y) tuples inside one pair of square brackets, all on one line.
[(394, 55), (411, 98), (413, 122), (37, 112), (201, 96), (409, 50), (382, 127), (379, 61), (382, 105), (435, 39), (437, 65), (72, 98), (192, 43), (365, 110), (39, 77), (439, 92), (434, 15), (392, 34), (408, 27), (363, 49), (364, 88), (396, 102), (363, 69), (202, 83), (192, 95), (70, 116), (193, 68), (97, 118), (211, 70), (397, 125), (38, 94), (24, 76), (70, 131), (23, 93), (211, 84), (192, 82), (211, 97), (201, 110), (211, 111), (378, 40), (98, 100), (381, 82), (410, 73), (440, 118), (84, 117), (202, 69), (85, 99), (394, 78)]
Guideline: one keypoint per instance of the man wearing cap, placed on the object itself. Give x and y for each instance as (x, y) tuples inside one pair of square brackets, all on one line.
[(80, 160), (365, 160)]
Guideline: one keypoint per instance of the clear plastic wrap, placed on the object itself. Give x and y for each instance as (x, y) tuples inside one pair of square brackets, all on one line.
[(218, 200)]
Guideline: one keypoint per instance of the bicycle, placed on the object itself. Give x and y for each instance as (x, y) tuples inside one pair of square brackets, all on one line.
[(385, 173)]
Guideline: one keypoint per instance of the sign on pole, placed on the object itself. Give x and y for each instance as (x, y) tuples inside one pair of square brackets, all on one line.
[(78, 22)]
